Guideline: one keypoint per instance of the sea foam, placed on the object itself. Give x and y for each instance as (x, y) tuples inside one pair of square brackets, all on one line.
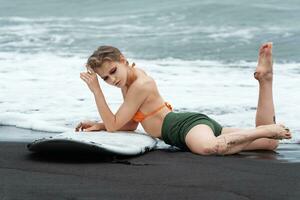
[(44, 92)]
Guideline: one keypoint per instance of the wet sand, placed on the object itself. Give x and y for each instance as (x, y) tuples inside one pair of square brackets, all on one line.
[(160, 174)]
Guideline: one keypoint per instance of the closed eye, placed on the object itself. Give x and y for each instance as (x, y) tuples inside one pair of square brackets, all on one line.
[(114, 70), (111, 72)]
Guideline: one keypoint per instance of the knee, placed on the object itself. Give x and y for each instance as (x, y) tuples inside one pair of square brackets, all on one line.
[(205, 151)]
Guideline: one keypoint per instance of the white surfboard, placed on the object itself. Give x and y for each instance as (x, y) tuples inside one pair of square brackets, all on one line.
[(117, 143)]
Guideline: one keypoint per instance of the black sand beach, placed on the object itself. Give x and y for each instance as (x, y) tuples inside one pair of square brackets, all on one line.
[(155, 175), (202, 56), (159, 174)]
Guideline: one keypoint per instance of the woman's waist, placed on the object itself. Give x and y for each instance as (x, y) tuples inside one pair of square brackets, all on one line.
[(153, 125)]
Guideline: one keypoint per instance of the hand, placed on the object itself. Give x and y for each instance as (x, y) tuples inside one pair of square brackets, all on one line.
[(88, 126), (91, 80)]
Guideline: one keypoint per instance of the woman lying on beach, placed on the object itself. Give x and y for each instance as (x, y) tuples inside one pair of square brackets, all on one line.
[(190, 131)]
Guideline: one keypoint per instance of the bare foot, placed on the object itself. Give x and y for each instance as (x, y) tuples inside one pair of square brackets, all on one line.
[(277, 131), (264, 69)]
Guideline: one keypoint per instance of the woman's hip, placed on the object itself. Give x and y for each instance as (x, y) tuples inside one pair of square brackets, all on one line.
[(176, 125)]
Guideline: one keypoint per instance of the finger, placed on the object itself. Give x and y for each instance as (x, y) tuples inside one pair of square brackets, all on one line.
[(78, 125), (85, 74), (90, 70), (85, 79), (77, 129), (92, 128), (88, 130)]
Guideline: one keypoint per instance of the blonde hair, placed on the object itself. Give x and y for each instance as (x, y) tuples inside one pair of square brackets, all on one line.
[(105, 53)]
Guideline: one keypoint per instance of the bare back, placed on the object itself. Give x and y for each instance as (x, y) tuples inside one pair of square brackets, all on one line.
[(152, 125)]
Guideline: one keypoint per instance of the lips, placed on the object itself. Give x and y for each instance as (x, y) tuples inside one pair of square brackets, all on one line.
[(117, 84)]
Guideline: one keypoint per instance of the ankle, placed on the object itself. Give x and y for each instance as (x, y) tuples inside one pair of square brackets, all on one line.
[(263, 130), (263, 77)]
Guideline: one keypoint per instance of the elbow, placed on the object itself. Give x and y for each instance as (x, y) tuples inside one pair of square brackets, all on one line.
[(111, 129), (134, 127), (127, 127), (116, 128)]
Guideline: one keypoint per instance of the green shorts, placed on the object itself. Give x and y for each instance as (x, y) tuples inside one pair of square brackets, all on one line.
[(176, 125)]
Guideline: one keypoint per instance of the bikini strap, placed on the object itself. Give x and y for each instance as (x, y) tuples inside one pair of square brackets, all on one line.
[(169, 106), (158, 109)]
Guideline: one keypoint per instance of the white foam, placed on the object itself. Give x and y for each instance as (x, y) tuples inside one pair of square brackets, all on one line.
[(278, 8), (44, 92), (244, 33)]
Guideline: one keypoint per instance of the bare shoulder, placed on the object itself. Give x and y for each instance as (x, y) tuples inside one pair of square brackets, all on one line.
[(142, 85), (145, 77), (143, 80)]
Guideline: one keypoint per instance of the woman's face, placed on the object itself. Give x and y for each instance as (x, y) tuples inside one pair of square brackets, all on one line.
[(113, 73)]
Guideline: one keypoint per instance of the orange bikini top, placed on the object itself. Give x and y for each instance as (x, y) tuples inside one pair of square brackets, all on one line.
[(139, 116)]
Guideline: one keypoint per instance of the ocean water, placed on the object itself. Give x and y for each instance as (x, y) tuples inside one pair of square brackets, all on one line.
[(202, 55)]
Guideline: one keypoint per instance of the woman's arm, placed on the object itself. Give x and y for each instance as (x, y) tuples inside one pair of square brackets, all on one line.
[(99, 126), (135, 96), (129, 126)]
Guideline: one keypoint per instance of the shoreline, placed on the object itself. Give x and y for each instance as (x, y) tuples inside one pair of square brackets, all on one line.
[(286, 152)]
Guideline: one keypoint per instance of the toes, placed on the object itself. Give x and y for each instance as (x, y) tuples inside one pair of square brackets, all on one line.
[(261, 49), (255, 74), (270, 44), (288, 135), (284, 127), (287, 129), (265, 45)]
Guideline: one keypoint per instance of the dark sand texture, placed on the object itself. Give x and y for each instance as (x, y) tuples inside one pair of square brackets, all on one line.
[(158, 174)]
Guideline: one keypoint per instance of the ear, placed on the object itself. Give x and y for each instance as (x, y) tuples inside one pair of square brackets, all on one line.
[(123, 59)]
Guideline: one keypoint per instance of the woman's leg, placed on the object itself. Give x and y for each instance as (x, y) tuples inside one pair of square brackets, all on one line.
[(258, 144), (265, 113), (201, 140)]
